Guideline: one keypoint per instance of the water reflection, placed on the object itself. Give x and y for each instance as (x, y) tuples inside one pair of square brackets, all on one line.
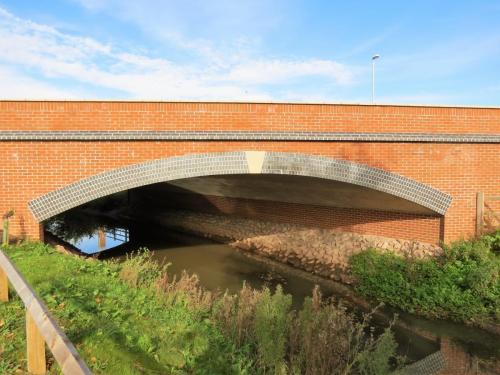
[(100, 240), (87, 232)]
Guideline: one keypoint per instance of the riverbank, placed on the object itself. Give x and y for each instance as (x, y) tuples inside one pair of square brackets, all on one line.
[(460, 282), (105, 319), (131, 318), (324, 252), (463, 284), (220, 266)]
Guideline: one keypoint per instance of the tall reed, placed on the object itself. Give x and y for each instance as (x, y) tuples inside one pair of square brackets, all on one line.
[(322, 338)]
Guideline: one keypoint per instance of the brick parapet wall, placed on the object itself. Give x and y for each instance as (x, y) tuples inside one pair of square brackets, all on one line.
[(88, 115)]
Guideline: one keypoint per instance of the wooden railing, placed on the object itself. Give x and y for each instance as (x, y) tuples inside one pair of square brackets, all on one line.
[(486, 217), (41, 328)]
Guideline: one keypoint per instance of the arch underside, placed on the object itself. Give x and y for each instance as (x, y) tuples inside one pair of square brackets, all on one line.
[(237, 163)]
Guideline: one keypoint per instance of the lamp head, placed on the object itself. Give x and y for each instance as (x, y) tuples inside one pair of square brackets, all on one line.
[(375, 57)]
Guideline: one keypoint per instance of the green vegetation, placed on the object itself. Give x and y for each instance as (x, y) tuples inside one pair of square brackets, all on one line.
[(134, 318), (117, 329), (462, 285)]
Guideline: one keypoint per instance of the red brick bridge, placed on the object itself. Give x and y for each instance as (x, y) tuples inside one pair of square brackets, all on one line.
[(409, 172)]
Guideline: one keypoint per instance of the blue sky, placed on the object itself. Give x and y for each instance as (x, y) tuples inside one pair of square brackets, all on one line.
[(439, 52)]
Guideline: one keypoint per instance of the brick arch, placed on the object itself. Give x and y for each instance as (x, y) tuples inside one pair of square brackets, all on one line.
[(241, 162)]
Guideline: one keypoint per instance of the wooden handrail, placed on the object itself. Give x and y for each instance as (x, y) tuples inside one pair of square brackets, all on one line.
[(41, 328)]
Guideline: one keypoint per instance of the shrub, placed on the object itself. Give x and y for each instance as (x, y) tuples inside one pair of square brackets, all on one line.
[(235, 315), (463, 284), (139, 270), (185, 289), (326, 339), (272, 318)]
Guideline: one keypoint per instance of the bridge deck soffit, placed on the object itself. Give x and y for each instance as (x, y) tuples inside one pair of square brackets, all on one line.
[(237, 163)]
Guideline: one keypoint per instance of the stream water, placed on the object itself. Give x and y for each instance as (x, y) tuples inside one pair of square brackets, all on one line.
[(220, 266)]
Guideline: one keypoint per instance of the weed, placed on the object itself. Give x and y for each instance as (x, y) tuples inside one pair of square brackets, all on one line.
[(462, 285)]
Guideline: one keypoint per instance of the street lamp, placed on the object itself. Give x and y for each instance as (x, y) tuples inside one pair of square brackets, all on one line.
[(374, 57)]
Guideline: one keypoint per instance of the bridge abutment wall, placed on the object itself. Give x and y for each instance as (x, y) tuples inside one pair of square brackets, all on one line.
[(425, 228)]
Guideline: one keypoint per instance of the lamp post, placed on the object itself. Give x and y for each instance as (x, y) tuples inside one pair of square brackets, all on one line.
[(374, 57)]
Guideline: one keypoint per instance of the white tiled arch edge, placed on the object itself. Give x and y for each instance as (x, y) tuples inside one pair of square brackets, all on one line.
[(239, 162)]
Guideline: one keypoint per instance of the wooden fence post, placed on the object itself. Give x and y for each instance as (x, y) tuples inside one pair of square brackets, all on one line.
[(35, 347), (5, 234), (4, 286), (479, 213), (46, 332)]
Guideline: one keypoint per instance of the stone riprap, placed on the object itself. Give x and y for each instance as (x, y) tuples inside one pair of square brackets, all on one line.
[(325, 252)]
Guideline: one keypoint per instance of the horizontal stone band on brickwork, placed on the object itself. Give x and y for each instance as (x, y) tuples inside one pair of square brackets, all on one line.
[(242, 162), (8, 135)]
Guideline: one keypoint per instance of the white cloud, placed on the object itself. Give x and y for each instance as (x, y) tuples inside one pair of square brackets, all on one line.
[(280, 71), (51, 55), (18, 86)]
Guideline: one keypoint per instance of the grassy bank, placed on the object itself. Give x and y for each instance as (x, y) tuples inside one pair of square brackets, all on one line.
[(134, 318), (462, 285)]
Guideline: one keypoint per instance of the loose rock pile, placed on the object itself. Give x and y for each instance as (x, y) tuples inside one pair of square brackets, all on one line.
[(325, 252)]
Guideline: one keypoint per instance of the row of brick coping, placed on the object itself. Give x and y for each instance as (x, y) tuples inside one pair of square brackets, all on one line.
[(235, 101)]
